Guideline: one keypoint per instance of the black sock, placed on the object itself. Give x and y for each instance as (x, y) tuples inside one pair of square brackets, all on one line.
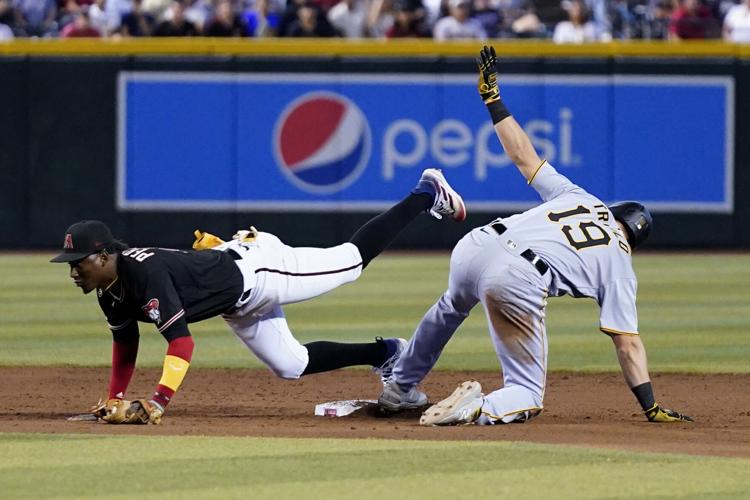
[(327, 356), (644, 393), (381, 230)]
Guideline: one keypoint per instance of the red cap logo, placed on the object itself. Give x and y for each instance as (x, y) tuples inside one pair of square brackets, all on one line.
[(68, 241)]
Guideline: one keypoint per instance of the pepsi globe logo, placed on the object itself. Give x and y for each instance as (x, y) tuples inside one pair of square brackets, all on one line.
[(322, 142)]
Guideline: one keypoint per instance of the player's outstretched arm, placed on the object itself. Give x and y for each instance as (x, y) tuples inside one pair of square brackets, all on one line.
[(632, 357), (118, 410), (516, 143)]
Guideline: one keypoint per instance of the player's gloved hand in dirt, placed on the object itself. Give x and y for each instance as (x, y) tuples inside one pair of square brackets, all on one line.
[(487, 86), (122, 411), (105, 407), (658, 414)]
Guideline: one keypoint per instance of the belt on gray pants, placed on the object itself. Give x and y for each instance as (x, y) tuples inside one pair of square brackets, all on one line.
[(527, 254)]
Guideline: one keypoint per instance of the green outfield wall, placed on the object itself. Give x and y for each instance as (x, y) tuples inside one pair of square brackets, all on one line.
[(58, 121)]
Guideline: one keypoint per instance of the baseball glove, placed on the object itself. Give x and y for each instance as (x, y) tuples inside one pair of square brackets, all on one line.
[(658, 414), (122, 411)]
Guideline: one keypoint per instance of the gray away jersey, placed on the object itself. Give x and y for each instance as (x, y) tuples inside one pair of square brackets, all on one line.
[(576, 234)]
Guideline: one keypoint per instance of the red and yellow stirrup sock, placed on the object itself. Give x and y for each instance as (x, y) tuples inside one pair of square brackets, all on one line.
[(176, 364)]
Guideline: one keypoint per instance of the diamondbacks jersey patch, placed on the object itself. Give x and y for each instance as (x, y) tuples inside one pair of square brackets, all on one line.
[(152, 311)]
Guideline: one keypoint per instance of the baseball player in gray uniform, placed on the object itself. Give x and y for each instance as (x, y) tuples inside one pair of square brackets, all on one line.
[(570, 244)]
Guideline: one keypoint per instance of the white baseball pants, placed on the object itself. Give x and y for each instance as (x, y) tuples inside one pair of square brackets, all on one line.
[(276, 274)]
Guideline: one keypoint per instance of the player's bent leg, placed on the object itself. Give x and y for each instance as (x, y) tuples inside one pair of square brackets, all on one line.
[(300, 274), (514, 299), (441, 321), (437, 327), (278, 274), (270, 339), (513, 404), (468, 405), (381, 354)]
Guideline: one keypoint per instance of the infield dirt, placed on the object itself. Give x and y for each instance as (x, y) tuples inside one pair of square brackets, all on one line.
[(589, 410)]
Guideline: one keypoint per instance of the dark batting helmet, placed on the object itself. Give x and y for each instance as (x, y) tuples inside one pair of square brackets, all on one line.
[(636, 218)]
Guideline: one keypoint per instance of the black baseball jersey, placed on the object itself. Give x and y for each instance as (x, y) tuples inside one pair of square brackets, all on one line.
[(169, 288)]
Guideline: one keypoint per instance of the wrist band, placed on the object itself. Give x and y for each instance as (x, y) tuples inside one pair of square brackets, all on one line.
[(498, 111)]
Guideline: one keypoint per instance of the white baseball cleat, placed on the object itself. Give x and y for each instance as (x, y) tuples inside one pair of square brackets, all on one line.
[(394, 398), (462, 407), (447, 200)]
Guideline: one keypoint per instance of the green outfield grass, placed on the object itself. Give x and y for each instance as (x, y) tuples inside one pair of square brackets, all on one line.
[(693, 309), (693, 316), (111, 467)]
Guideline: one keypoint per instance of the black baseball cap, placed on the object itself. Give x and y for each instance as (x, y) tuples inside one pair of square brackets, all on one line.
[(84, 238)]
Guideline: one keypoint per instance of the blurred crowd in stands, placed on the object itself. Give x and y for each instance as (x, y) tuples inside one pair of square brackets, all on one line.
[(564, 21)]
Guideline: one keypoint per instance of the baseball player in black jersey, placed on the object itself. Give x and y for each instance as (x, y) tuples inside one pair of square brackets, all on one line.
[(247, 281)]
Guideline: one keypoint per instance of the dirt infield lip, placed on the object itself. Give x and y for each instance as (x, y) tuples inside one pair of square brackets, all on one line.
[(590, 410)]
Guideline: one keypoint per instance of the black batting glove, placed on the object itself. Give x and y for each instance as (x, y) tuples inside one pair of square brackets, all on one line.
[(488, 89), (487, 86)]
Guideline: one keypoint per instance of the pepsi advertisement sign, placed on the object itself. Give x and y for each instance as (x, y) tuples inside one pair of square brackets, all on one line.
[(323, 142), (330, 155)]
